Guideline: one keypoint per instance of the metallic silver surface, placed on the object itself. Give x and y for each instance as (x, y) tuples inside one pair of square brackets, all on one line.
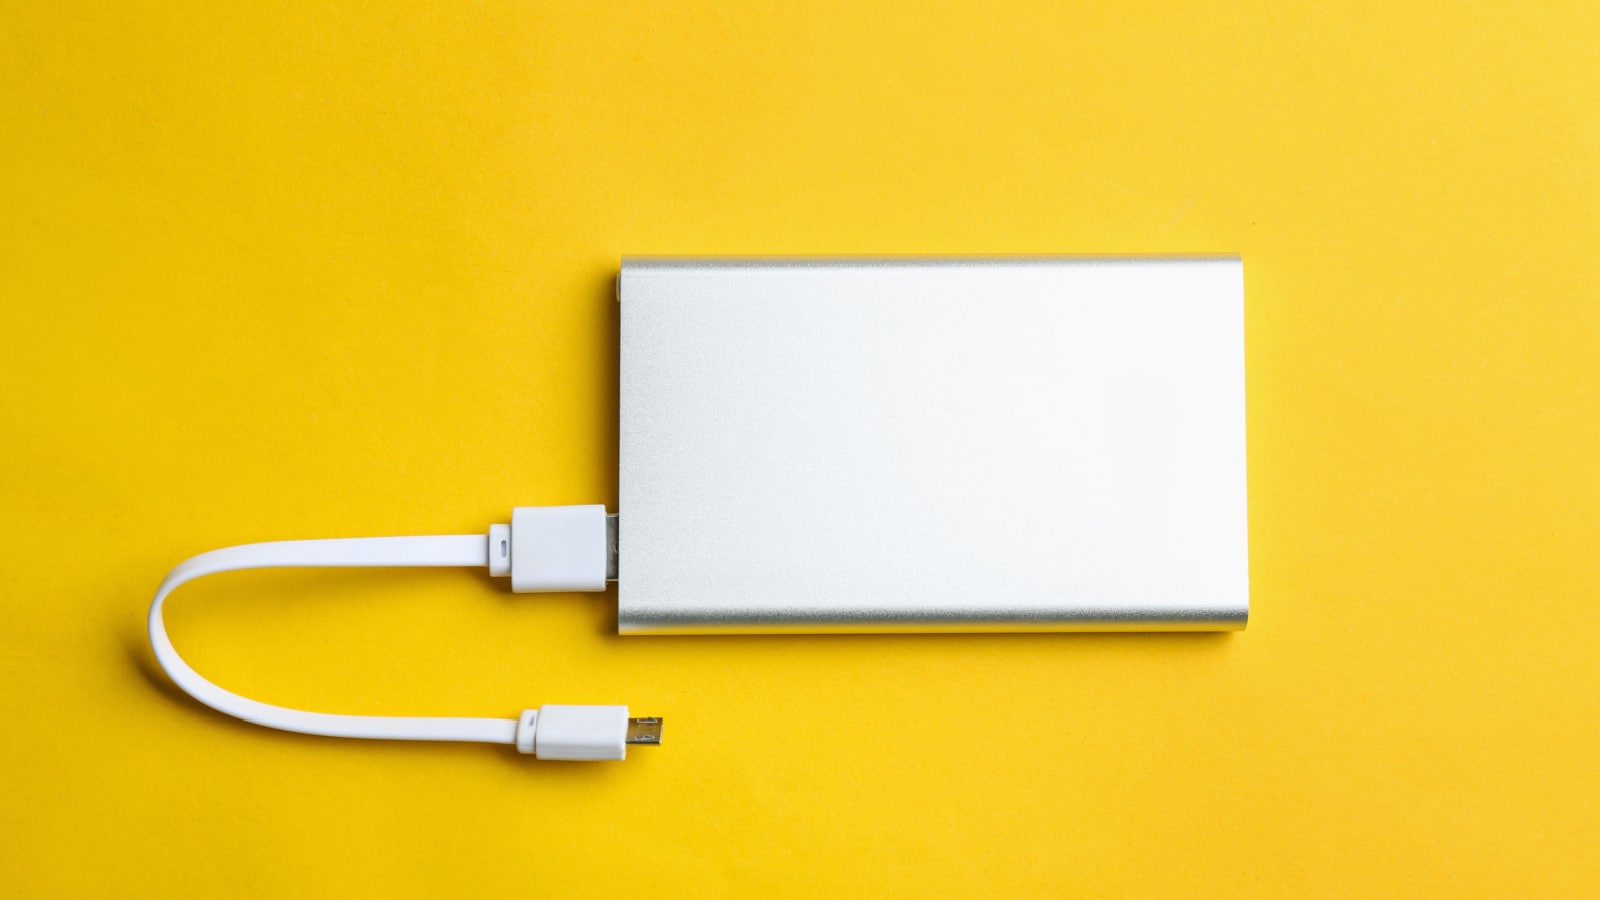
[(644, 730), (611, 547), (926, 445)]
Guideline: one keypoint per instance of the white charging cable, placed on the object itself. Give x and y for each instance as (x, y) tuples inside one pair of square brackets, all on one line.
[(545, 548)]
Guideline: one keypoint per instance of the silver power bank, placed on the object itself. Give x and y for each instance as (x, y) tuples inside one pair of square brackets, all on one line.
[(932, 445)]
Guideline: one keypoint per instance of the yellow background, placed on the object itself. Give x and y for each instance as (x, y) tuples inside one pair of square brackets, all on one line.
[(274, 271)]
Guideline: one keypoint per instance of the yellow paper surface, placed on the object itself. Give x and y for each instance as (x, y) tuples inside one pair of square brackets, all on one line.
[(275, 271)]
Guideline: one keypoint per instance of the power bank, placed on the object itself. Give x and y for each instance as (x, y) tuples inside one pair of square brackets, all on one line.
[(840, 445)]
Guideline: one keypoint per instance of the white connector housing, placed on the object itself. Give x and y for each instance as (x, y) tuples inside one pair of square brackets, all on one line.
[(554, 548), (574, 732)]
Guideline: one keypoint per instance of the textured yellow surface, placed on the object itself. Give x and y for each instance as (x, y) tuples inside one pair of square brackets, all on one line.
[(271, 271)]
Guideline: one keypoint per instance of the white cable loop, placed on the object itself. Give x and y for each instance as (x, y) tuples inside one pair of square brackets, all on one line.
[(438, 550)]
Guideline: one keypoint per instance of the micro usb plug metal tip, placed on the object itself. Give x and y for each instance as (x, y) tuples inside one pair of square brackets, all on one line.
[(644, 730)]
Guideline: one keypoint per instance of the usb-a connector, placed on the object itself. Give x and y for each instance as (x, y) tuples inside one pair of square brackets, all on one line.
[(555, 548)]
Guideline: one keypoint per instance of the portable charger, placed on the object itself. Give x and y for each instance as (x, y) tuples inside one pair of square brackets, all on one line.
[(827, 445), (911, 445)]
